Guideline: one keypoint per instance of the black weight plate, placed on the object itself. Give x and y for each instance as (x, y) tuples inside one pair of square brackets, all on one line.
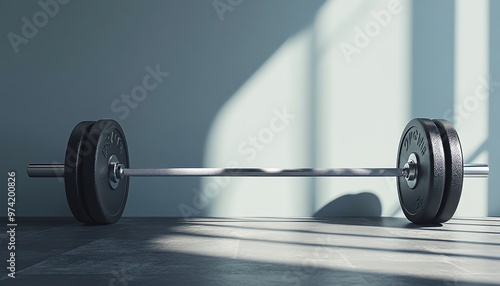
[(104, 203), (75, 154), (421, 204), (454, 171)]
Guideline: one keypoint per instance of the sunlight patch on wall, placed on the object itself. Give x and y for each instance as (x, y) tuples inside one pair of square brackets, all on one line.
[(264, 124), (363, 96), (471, 97), (346, 81)]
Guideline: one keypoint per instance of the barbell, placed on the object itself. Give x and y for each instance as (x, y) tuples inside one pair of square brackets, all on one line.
[(429, 171)]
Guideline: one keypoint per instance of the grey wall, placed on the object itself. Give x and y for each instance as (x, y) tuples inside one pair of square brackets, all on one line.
[(92, 52), (433, 55), (491, 145), (79, 64)]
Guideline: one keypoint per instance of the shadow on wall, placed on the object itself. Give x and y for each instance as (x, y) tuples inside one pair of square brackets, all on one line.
[(432, 57), (208, 58), (369, 206), (494, 106)]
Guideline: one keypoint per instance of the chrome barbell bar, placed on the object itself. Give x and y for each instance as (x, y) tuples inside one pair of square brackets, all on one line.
[(57, 170)]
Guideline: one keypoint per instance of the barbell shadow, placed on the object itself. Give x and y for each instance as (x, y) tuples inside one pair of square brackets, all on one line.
[(363, 204)]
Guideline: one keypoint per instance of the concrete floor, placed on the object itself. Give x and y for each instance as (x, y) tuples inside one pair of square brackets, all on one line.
[(343, 251)]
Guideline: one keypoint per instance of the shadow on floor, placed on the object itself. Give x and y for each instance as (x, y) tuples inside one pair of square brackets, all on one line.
[(369, 203)]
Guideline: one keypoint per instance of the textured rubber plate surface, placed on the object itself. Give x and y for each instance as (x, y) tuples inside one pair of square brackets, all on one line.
[(454, 171), (105, 204), (76, 152), (422, 138)]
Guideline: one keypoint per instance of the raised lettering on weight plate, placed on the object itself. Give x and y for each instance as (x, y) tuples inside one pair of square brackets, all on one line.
[(421, 144), (112, 138), (418, 203), (414, 135)]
